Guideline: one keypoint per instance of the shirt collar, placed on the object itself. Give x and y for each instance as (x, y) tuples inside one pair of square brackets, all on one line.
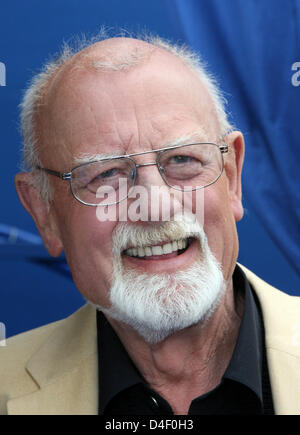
[(117, 372), (246, 362)]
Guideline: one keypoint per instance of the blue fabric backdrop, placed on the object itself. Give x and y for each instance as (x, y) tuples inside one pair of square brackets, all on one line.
[(255, 47)]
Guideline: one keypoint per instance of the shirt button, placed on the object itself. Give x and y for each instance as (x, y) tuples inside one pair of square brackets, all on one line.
[(154, 401)]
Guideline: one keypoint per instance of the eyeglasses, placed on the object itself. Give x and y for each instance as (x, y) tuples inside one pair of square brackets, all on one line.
[(184, 167)]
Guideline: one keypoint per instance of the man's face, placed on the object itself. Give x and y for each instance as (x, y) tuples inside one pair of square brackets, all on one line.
[(91, 112)]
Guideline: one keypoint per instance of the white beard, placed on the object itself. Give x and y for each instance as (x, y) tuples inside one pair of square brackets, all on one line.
[(157, 306)]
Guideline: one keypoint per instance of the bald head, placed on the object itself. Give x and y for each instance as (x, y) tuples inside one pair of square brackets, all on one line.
[(108, 60), (100, 88), (115, 55)]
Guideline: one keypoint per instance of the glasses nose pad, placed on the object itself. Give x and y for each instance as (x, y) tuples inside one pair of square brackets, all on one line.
[(131, 179), (132, 175), (161, 169)]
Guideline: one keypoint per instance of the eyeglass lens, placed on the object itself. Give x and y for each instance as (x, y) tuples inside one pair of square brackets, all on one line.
[(184, 168)]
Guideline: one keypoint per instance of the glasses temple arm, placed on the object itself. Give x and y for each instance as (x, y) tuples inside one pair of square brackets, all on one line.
[(62, 175)]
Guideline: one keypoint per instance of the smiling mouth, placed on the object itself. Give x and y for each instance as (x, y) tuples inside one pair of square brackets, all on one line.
[(162, 251)]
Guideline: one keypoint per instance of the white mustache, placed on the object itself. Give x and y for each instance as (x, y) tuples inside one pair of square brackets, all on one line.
[(134, 235)]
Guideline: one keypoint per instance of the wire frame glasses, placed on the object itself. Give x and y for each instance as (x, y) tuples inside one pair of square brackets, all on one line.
[(184, 167)]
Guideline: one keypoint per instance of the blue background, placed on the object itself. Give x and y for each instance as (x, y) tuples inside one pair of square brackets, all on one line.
[(248, 45)]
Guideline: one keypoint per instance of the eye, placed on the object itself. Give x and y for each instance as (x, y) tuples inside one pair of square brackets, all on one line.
[(181, 159), (110, 176), (109, 173)]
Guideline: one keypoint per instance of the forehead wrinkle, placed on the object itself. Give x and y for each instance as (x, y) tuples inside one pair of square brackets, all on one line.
[(199, 135)]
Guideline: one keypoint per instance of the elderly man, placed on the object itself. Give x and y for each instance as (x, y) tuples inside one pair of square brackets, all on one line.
[(172, 325)]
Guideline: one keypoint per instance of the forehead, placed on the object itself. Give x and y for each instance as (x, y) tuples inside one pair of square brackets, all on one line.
[(91, 111)]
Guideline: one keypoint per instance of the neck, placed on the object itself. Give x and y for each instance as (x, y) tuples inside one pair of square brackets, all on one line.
[(190, 362)]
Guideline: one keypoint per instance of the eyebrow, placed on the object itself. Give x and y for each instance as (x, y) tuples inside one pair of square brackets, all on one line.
[(199, 135), (88, 158)]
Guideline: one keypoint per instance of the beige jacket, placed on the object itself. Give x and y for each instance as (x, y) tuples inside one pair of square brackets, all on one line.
[(53, 369)]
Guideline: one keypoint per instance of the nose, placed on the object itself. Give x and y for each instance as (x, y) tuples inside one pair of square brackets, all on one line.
[(144, 175), (151, 199)]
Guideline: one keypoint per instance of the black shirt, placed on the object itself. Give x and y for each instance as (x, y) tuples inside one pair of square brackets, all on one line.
[(244, 388)]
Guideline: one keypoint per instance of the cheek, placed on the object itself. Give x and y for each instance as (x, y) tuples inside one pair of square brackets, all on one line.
[(220, 227), (88, 245)]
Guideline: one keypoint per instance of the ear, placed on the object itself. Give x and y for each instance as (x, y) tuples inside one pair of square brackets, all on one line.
[(233, 169), (40, 212)]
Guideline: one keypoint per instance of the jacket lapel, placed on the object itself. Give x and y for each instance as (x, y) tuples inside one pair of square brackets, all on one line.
[(282, 335), (64, 370)]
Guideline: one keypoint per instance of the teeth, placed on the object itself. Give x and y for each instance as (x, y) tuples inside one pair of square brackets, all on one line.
[(134, 252), (157, 250), (167, 248), (148, 251), (141, 252)]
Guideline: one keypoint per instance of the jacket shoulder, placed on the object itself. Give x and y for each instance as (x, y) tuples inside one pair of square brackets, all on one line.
[(15, 380), (281, 314)]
